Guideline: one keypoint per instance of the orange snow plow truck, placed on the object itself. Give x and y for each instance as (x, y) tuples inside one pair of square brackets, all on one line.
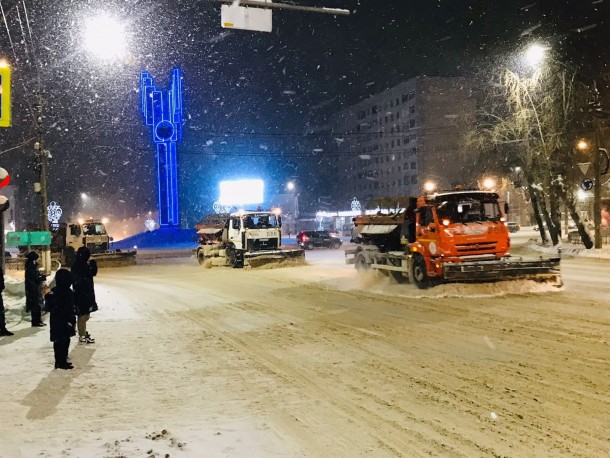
[(453, 236)]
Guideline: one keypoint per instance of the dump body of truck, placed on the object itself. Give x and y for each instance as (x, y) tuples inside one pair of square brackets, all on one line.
[(454, 236)]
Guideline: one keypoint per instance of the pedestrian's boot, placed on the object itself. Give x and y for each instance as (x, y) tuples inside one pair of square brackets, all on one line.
[(85, 340), (6, 332), (65, 366)]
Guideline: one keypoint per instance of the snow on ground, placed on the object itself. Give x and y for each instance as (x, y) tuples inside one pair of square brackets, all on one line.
[(314, 361)]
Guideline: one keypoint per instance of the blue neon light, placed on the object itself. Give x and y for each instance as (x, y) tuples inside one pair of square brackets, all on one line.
[(163, 112)]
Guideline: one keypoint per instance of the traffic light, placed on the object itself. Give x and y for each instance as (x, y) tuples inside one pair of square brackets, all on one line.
[(5, 95)]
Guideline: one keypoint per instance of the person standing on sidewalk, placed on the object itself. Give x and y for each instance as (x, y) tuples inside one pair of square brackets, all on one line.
[(83, 271), (34, 279), (60, 304), (3, 330)]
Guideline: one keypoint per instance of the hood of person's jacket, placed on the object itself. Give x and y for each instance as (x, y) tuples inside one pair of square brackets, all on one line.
[(63, 278), (83, 253), (32, 256)]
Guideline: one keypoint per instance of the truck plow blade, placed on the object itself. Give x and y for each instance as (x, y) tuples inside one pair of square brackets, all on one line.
[(541, 270), (272, 259), (115, 258)]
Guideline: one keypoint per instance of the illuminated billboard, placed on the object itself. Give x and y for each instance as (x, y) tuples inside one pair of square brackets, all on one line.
[(241, 192)]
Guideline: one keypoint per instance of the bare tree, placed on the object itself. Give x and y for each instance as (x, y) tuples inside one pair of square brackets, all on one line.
[(533, 122)]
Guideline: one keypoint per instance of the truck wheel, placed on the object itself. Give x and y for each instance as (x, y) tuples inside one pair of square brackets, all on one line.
[(200, 257), (309, 246), (420, 274), (361, 263), (234, 258)]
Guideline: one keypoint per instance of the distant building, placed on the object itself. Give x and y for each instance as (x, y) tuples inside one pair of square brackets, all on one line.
[(394, 141)]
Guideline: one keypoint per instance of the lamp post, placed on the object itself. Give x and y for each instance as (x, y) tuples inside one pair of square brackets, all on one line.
[(291, 186)]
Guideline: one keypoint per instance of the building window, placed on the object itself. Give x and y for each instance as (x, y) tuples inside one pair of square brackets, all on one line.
[(398, 115), (406, 140), (414, 150), (361, 114), (405, 98), (413, 165), (411, 95), (396, 101), (414, 179), (374, 109), (411, 123), (412, 109)]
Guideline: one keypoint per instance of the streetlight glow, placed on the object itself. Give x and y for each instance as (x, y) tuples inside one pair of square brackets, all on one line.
[(429, 186), (290, 186), (535, 54), (582, 145), (104, 37), (489, 183)]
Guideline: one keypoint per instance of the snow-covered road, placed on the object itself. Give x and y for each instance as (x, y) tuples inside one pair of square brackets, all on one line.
[(317, 361)]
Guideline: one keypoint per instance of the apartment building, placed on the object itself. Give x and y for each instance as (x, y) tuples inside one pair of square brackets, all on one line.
[(393, 142)]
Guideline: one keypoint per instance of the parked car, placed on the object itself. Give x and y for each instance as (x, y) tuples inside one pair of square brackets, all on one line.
[(308, 240), (513, 226)]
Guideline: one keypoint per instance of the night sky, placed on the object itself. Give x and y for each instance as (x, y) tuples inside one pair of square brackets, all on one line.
[(251, 98)]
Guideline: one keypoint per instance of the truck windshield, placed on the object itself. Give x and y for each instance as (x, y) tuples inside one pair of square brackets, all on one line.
[(469, 210), (93, 229), (261, 221)]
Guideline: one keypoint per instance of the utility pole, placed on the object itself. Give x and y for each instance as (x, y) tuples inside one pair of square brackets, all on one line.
[(595, 109), (42, 160)]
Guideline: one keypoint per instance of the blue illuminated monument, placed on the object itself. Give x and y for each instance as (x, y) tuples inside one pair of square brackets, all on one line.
[(163, 111)]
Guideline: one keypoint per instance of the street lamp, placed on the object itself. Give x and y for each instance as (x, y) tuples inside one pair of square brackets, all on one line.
[(489, 184), (104, 37), (429, 186), (292, 187), (535, 54)]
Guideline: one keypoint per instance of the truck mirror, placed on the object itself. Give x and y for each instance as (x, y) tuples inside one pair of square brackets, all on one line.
[(74, 230), (506, 208)]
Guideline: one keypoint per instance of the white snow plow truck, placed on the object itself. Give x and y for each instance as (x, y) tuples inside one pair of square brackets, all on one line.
[(244, 239), (453, 236), (69, 237)]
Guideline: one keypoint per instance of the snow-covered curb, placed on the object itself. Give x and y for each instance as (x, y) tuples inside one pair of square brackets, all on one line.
[(569, 249)]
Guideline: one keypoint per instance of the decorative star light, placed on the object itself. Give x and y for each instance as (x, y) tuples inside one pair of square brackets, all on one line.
[(356, 206)]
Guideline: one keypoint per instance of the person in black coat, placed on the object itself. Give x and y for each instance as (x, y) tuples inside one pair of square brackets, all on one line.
[(34, 279), (3, 330), (60, 303), (83, 271)]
